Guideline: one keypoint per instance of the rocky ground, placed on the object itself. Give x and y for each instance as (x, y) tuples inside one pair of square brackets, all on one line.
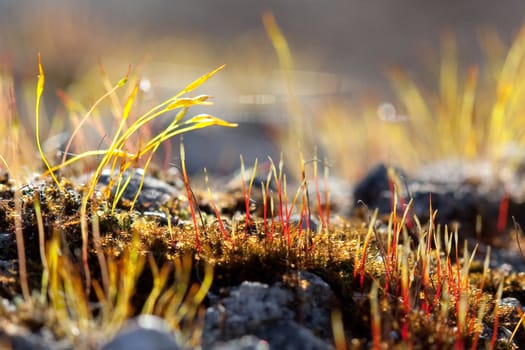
[(271, 301)]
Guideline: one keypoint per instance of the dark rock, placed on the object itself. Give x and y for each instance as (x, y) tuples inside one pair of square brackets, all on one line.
[(300, 304), (16, 337), (296, 219), (374, 190), (292, 336), (510, 302), (248, 342), (162, 218), (27, 342), (248, 308), (144, 332), (460, 192), (314, 304), (505, 260), (153, 194), (7, 246)]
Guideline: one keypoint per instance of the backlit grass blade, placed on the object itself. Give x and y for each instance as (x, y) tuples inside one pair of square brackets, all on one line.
[(296, 132)]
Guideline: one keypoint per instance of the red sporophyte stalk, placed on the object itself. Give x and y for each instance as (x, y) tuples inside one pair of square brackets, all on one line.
[(305, 212), (405, 294), (272, 215), (426, 260), (496, 316), (503, 212), (478, 298), (395, 184), (317, 193), (247, 192), (286, 218), (280, 184), (190, 196), (437, 242), (214, 207), (265, 210), (304, 207), (266, 195), (246, 198), (389, 264), (387, 278), (394, 229), (364, 249), (326, 193)]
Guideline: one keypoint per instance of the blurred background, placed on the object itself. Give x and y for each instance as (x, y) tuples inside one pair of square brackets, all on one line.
[(341, 49)]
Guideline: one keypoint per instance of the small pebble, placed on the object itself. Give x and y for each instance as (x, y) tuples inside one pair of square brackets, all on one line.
[(144, 332)]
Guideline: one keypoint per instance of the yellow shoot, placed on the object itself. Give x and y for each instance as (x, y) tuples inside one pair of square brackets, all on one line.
[(4, 161), (159, 283), (95, 226), (120, 140), (195, 296), (20, 247), (296, 131), (121, 83), (53, 254), (39, 91), (168, 304), (198, 82), (338, 330), (115, 103), (169, 133), (77, 308), (448, 77), (121, 188), (94, 153), (496, 315), (520, 322), (375, 316), (465, 130), (164, 106), (41, 243), (129, 270), (198, 298)]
